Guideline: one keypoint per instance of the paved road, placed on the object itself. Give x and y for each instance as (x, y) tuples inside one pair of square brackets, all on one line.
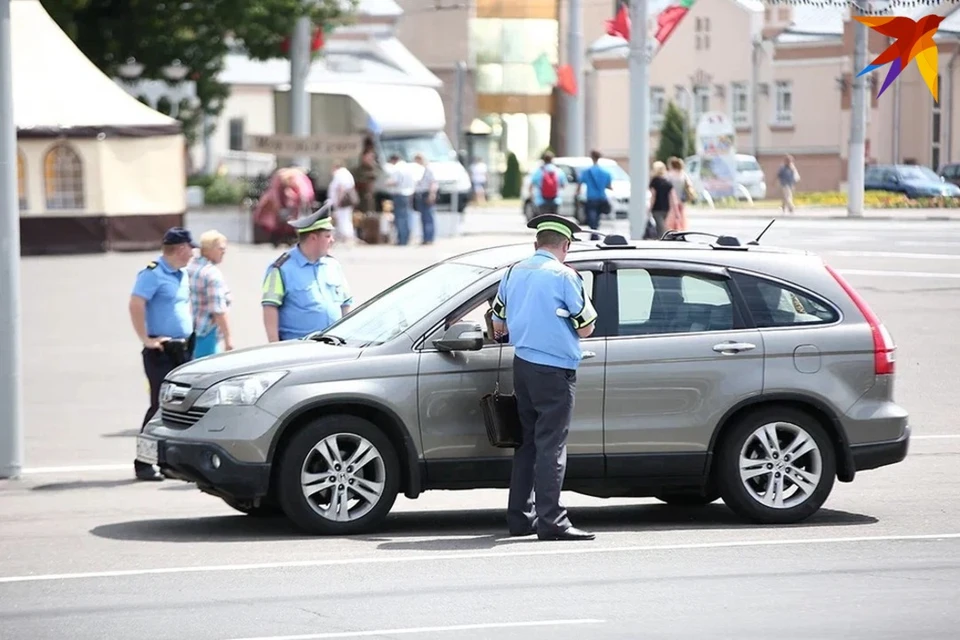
[(88, 553)]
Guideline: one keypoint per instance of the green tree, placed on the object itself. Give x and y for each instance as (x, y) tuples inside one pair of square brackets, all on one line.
[(671, 135), (512, 180), (198, 34)]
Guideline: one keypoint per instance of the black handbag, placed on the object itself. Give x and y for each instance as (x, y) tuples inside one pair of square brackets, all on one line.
[(500, 415)]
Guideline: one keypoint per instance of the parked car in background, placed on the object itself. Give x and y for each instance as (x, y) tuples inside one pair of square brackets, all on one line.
[(951, 173), (573, 196), (749, 174), (912, 180)]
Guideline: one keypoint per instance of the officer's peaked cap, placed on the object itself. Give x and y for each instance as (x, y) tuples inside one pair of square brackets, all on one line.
[(316, 221), (179, 235), (553, 222)]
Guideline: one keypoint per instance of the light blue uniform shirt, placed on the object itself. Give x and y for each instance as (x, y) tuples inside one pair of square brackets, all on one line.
[(167, 292), (528, 299), (310, 296), (537, 179)]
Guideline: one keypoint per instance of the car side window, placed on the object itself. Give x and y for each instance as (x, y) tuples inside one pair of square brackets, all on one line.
[(774, 305), (653, 302)]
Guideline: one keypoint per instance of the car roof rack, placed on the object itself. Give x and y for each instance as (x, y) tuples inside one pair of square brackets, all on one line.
[(720, 241), (607, 241)]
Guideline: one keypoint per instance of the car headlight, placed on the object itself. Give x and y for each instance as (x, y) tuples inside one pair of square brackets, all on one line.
[(242, 390)]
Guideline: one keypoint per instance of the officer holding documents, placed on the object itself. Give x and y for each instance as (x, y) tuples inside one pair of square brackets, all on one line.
[(543, 306), (161, 316), (305, 289)]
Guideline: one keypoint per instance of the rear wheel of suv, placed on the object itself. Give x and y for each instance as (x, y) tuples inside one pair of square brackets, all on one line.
[(776, 465), (339, 475)]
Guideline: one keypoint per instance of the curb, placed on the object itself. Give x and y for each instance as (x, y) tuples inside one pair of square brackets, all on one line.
[(749, 216)]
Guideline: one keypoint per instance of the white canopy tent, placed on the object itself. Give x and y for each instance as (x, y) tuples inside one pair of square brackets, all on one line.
[(97, 169)]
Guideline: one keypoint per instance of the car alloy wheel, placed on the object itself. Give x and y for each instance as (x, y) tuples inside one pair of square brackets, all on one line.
[(775, 465), (337, 475), (342, 477), (780, 465)]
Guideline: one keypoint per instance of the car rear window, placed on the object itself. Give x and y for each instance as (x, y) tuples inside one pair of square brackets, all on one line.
[(773, 304)]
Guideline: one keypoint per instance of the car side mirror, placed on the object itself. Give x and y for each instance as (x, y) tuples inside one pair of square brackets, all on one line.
[(462, 336)]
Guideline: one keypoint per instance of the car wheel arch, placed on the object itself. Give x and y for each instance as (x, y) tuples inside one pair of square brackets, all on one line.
[(384, 418), (815, 408)]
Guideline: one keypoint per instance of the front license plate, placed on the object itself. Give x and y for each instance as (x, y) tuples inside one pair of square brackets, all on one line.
[(146, 450)]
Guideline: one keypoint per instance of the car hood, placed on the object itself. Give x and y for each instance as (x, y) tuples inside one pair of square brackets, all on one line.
[(208, 371), (620, 188)]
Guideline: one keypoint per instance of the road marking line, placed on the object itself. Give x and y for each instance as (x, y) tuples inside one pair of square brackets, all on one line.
[(392, 559), (937, 437), (446, 629), (890, 254), (898, 274), (77, 468)]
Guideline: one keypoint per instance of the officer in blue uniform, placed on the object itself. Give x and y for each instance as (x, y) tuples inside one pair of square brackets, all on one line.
[(542, 304), (305, 289), (161, 316)]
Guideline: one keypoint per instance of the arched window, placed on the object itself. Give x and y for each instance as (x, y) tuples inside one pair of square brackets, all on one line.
[(21, 180), (63, 178)]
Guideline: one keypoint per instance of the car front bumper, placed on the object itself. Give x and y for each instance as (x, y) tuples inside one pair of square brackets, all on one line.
[(212, 469), (880, 454)]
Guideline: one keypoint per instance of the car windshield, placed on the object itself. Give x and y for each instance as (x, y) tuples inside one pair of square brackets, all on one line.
[(748, 165), (394, 310), (435, 148), (918, 173), (616, 171)]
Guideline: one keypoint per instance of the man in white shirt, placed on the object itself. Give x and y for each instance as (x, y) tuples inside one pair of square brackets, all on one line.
[(342, 185), (401, 183)]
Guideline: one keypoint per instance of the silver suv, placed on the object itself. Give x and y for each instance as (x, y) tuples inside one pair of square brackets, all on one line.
[(717, 370)]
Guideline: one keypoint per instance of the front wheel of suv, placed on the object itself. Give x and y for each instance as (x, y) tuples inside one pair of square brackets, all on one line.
[(339, 475), (776, 465)]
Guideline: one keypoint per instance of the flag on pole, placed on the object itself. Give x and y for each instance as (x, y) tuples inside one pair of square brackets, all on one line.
[(619, 26), (566, 80), (670, 18), (543, 69)]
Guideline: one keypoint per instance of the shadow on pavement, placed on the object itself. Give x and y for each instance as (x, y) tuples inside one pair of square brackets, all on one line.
[(126, 433), (84, 484), (459, 530)]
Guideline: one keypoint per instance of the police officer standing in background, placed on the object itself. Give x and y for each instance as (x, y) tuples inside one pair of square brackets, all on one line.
[(161, 316), (542, 304), (305, 290)]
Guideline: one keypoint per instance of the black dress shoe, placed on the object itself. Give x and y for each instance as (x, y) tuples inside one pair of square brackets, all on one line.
[(570, 533)]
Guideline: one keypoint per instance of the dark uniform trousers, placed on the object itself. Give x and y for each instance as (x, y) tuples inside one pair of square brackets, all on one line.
[(157, 363), (545, 404)]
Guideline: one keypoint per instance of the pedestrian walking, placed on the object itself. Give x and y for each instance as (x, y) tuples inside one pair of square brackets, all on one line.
[(788, 177), (597, 180), (210, 296), (664, 198), (425, 198), (305, 289), (161, 317), (401, 185), (542, 305), (683, 187), (343, 195), (547, 182)]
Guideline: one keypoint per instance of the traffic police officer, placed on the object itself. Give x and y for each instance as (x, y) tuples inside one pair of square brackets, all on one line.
[(542, 304), (305, 290), (161, 316)]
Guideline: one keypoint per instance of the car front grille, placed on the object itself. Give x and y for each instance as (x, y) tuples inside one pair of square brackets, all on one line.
[(181, 419)]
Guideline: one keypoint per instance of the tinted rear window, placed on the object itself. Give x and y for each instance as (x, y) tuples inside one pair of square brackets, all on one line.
[(775, 305)]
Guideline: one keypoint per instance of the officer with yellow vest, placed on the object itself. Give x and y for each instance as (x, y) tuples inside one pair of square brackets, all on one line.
[(305, 289), (542, 305)]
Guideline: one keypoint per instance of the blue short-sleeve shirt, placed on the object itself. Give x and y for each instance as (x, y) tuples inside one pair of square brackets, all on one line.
[(167, 294), (528, 299), (310, 296), (537, 180), (597, 180)]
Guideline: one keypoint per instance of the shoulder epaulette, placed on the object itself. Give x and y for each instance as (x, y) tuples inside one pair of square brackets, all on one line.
[(282, 259), (152, 264)]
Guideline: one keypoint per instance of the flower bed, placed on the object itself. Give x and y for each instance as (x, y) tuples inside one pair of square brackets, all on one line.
[(871, 200)]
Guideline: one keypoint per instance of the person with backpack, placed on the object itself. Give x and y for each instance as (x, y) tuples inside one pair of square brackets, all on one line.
[(547, 182)]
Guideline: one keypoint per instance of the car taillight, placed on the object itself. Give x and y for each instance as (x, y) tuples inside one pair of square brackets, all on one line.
[(883, 346)]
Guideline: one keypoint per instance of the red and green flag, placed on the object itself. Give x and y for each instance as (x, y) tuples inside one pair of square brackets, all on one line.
[(665, 14), (670, 18)]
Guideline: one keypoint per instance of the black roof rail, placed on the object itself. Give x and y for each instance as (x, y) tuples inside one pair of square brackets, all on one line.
[(720, 240), (608, 240)]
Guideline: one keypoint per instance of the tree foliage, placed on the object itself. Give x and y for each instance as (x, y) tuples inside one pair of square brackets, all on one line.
[(671, 135), (198, 34)]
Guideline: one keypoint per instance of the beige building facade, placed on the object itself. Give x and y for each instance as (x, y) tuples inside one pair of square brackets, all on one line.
[(782, 75)]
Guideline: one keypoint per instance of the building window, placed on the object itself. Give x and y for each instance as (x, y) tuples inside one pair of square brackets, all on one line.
[(504, 51), (236, 134), (701, 102), (740, 104), (783, 103), (63, 178), (21, 180), (658, 107), (935, 137), (702, 36)]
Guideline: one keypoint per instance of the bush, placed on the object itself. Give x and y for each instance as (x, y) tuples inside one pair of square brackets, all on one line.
[(512, 179), (223, 190)]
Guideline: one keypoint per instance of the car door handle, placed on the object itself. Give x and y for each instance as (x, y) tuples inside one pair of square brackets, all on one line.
[(733, 347), (587, 354)]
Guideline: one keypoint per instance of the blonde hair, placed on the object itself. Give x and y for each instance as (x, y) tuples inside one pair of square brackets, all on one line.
[(659, 169), (210, 239)]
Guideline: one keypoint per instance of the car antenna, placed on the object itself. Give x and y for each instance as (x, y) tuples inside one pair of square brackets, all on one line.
[(756, 240)]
